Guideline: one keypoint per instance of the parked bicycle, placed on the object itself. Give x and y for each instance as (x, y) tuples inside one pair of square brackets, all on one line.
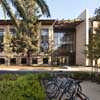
[(64, 89)]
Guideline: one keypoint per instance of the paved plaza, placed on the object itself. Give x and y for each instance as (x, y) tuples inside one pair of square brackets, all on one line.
[(30, 68), (91, 89)]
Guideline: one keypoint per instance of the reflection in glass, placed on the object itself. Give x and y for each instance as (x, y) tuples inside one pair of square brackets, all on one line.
[(1, 39), (64, 48), (44, 43), (63, 42)]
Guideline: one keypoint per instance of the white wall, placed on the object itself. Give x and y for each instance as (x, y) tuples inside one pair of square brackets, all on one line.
[(82, 37)]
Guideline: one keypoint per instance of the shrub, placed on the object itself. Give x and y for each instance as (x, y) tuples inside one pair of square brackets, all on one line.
[(25, 87)]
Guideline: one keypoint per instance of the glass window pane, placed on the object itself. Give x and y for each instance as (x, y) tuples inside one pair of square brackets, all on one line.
[(44, 43), (44, 32), (12, 31)]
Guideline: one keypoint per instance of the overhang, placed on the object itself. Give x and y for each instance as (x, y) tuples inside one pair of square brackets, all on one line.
[(55, 23)]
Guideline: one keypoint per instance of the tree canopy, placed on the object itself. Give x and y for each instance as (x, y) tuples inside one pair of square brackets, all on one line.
[(25, 18)]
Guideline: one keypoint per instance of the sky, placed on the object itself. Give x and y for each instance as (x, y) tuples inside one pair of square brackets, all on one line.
[(68, 9)]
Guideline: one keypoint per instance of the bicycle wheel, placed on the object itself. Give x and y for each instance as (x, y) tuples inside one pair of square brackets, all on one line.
[(69, 92), (76, 98), (81, 96), (52, 90)]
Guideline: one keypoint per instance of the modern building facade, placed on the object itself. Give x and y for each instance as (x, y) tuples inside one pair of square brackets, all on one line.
[(65, 40)]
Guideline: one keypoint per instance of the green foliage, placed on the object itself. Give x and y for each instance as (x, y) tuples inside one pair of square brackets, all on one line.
[(7, 44), (93, 48), (22, 44), (28, 86), (22, 87), (97, 13), (26, 39)]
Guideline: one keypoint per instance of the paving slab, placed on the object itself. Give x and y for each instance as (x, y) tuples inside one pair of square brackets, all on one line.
[(91, 89)]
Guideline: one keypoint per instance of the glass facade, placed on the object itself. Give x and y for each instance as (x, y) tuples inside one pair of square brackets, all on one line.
[(1, 39), (64, 47), (1, 35), (12, 31), (63, 43), (44, 42)]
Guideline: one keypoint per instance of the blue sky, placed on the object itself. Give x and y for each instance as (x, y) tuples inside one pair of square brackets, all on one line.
[(68, 9)]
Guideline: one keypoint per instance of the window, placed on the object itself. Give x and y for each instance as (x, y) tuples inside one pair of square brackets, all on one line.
[(45, 60), (13, 61), (1, 39), (1, 35), (44, 44), (12, 31), (2, 61), (34, 61), (23, 61), (44, 32), (58, 39)]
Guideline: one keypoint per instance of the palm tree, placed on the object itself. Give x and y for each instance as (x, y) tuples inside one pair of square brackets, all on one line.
[(20, 8)]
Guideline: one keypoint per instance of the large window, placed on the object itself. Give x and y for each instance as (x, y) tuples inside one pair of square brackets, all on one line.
[(63, 43), (64, 48), (1, 39), (58, 39), (12, 31), (44, 43), (2, 61), (1, 35)]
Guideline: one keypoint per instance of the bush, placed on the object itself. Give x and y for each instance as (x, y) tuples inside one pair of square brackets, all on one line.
[(23, 87), (81, 75)]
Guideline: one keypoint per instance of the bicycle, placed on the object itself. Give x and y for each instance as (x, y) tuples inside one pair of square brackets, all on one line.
[(65, 88)]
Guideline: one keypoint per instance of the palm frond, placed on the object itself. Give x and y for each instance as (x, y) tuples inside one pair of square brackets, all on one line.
[(4, 10), (44, 7), (20, 9), (9, 12)]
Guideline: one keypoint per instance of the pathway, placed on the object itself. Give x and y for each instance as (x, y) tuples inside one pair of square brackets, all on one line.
[(91, 89)]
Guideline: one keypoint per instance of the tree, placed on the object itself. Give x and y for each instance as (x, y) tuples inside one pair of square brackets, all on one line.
[(97, 13), (23, 44), (21, 6), (93, 49), (26, 39), (7, 47)]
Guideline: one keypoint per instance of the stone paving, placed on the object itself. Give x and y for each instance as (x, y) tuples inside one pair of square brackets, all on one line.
[(29, 68), (91, 89)]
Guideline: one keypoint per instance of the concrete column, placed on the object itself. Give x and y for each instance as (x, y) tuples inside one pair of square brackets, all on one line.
[(51, 43), (18, 60), (82, 39), (49, 60), (50, 38)]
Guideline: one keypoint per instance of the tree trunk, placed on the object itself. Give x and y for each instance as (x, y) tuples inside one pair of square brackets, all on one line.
[(8, 61), (96, 66), (92, 70), (29, 59)]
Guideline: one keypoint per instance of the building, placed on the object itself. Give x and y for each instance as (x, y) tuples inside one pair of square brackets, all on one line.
[(66, 40)]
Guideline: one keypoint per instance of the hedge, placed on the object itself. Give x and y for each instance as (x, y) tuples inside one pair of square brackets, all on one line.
[(21, 87)]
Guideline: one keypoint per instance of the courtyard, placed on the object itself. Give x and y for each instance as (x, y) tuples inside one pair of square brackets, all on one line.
[(48, 68), (91, 89)]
